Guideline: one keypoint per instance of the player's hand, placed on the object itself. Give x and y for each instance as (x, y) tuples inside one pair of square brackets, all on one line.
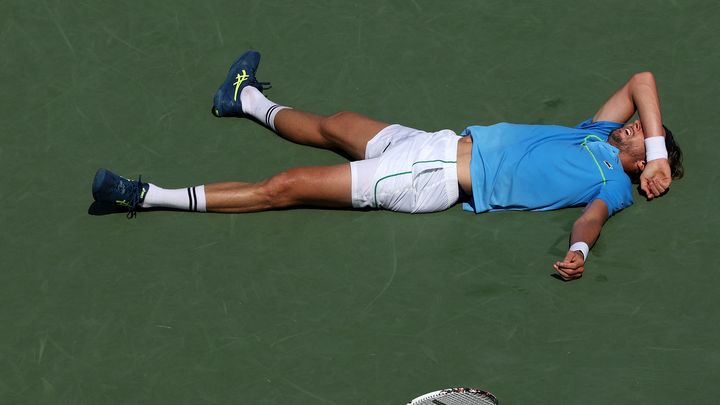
[(655, 179), (572, 266)]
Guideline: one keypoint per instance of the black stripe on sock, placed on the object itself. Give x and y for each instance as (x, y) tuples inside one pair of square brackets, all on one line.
[(195, 198), (269, 113), (190, 202)]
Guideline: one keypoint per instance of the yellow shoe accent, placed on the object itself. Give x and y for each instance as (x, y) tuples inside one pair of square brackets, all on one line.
[(238, 81)]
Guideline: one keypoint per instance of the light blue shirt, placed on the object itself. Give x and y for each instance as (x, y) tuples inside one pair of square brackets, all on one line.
[(545, 167)]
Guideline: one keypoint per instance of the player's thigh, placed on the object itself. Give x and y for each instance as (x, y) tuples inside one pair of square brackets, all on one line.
[(351, 132), (320, 186)]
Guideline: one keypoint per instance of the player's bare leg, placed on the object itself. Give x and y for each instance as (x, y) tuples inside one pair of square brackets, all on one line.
[(346, 131), (328, 186)]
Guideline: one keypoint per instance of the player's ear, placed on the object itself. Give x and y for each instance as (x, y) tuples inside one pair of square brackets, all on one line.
[(640, 165)]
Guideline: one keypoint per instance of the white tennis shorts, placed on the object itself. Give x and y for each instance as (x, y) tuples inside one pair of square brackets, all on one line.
[(407, 170)]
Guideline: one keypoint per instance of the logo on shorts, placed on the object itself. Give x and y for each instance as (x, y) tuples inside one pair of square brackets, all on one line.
[(608, 164)]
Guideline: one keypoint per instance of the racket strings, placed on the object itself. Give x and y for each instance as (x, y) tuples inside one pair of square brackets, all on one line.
[(457, 398)]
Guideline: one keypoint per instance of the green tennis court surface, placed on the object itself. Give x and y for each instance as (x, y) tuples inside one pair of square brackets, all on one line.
[(315, 306)]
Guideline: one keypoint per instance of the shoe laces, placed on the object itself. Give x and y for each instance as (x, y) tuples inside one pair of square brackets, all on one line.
[(262, 86), (134, 198)]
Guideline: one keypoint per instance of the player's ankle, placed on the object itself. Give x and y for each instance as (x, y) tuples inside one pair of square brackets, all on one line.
[(255, 104), (187, 199), (249, 98)]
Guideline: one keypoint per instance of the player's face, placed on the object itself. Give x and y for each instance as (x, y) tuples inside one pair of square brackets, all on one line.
[(628, 132), (631, 136)]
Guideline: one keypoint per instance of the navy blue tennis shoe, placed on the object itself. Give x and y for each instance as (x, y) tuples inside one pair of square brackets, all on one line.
[(226, 102), (110, 188)]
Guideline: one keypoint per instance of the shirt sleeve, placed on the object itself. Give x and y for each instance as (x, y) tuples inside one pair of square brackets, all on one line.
[(599, 127), (616, 195)]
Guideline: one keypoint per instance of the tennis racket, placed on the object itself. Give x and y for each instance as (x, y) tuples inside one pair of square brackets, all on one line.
[(456, 396)]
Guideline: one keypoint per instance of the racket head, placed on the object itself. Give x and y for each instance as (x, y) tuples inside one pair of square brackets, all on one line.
[(456, 396)]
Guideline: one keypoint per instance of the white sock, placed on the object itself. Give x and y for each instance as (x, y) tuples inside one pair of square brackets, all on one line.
[(257, 105), (188, 199)]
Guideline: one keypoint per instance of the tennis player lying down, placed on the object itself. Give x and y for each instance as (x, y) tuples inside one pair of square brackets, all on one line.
[(487, 168)]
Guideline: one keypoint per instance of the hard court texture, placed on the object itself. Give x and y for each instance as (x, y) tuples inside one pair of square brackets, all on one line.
[(342, 307)]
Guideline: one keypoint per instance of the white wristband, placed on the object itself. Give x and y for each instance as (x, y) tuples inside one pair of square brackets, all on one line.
[(655, 148), (581, 246)]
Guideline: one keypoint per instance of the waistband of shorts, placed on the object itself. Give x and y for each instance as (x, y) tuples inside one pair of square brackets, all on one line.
[(452, 185), (452, 146)]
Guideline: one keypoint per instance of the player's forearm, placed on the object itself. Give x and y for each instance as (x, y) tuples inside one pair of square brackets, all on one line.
[(643, 91), (586, 230)]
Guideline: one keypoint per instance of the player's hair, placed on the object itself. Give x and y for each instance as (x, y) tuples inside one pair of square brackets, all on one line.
[(675, 155)]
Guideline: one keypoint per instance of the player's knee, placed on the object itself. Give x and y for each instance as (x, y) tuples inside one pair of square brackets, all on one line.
[(644, 76), (278, 190)]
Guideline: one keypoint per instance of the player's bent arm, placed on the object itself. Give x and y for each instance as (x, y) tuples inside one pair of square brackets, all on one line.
[(639, 94), (586, 230), (655, 178)]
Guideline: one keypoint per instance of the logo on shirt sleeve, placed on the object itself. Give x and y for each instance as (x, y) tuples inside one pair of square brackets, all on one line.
[(609, 166)]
